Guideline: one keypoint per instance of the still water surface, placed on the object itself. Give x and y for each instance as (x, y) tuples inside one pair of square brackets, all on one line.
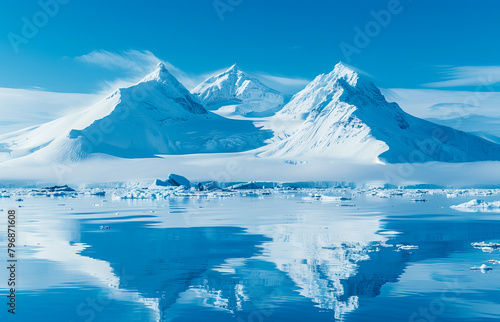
[(273, 258)]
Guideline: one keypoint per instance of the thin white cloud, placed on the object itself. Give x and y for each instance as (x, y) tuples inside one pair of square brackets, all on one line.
[(137, 63), (287, 85), (469, 76), (444, 104), (21, 108)]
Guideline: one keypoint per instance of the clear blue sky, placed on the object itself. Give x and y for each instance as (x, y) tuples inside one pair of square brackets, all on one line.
[(283, 37)]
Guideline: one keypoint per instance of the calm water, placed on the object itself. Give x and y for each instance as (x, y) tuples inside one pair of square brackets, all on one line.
[(273, 258)]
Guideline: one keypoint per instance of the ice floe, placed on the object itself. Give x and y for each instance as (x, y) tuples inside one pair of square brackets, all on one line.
[(483, 268), (478, 205), (486, 247)]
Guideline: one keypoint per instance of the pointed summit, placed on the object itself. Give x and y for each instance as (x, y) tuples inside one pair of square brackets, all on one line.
[(341, 71), (162, 69), (162, 81), (244, 93), (155, 116), (340, 115), (340, 65), (160, 74), (233, 68)]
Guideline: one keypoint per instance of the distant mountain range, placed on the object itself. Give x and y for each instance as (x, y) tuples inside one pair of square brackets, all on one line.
[(339, 115)]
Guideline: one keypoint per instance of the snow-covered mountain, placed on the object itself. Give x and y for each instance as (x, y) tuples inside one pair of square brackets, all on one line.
[(241, 93), (156, 116), (337, 116), (343, 116)]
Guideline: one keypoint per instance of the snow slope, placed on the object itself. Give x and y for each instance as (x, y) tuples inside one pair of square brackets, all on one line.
[(156, 116), (245, 94), (342, 116)]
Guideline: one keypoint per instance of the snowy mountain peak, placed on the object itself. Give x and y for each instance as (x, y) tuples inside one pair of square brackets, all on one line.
[(343, 72), (161, 82), (340, 115), (160, 74), (244, 93), (233, 68), (155, 116), (339, 76)]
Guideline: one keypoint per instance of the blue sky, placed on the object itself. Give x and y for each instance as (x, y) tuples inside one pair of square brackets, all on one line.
[(425, 42)]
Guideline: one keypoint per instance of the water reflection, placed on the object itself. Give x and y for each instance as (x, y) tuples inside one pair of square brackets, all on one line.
[(285, 262), (160, 264)]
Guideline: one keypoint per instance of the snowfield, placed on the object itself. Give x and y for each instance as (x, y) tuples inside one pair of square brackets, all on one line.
[(156, 116), (339, 128)]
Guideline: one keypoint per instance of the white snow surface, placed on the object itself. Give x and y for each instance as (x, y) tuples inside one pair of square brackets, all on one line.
[(342, 116), (339, 128), (245, 93), (156, 116)]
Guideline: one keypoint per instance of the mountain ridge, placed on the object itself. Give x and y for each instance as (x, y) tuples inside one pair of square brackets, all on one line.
[(156, 116), (340, 115)]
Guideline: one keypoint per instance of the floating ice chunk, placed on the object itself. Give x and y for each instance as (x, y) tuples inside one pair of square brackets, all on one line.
[(174, 180), (483, 268), (59, 188), (486, 247), (246, 186), (323, 198), (406, 247), (177, 180), (208, 186), (477, 205), (389, 232)]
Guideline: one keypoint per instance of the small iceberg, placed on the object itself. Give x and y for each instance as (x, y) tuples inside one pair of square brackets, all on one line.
[(64, 188), (486, 247), (406, 247), (174, 180), (483, 268), (246, 186), (477, 205), (323, 198)]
